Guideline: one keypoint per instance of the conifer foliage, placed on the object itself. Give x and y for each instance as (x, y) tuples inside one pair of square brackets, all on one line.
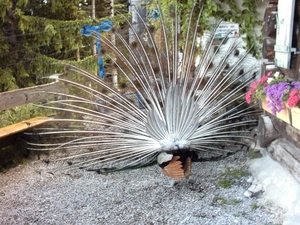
[(37, 35)]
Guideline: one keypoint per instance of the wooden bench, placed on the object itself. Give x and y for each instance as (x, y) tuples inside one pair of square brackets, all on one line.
[(13, 148), (13, 144), (10, 135), (22, 126)]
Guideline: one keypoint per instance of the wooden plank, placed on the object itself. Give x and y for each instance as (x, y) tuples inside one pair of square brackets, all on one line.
[(34, 94), (286, 131), (284, 33), (21, 126), (287, 155)]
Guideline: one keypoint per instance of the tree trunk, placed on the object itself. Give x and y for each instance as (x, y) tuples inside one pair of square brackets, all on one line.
[(113, 40)]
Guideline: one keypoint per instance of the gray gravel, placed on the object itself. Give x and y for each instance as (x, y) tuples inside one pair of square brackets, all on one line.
[(29, 194)]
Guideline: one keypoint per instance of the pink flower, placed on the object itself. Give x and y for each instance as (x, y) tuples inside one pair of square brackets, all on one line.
[(248, 97), (294, 98), (254, 84), (257, 89), (269, 73), (264, 79)]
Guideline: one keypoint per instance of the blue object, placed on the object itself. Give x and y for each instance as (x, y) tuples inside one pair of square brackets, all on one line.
[(154, 14), (140, 102), (88, 30)]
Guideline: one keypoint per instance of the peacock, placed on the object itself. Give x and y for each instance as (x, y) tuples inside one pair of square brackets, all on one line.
[(179, 99)]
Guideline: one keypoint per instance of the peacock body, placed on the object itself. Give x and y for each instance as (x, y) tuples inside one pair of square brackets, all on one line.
[(181, 100)]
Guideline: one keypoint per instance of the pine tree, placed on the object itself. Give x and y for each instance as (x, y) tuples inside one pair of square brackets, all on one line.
[(36, 36)]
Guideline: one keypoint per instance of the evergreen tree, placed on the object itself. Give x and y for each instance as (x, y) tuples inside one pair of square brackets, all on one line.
[(37, 35)]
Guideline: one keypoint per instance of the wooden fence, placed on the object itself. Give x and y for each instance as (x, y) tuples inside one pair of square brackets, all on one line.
[(34, 94)]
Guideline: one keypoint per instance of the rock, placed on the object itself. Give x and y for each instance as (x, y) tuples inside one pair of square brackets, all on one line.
[(248, 194), (255, 188), (250, 180)]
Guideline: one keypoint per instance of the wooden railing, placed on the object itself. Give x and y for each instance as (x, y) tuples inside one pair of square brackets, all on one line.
[(24, 96), (10, 99)]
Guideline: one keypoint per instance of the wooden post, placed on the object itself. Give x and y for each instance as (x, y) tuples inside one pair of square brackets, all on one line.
[(113, 40), (266, 131), (268, 48), (284, 33), (270, 22)]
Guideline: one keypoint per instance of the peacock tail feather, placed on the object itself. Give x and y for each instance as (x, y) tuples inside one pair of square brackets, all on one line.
[(180, 92)]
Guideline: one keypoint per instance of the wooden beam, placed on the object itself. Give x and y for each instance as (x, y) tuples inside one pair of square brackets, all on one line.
[(34, 94)]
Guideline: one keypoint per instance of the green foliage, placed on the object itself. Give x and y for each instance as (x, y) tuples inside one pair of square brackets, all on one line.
[(5, 5), (22, 3), (20, 113), (229, 176), (255, 206), (38, 37), (7, 80), (235, 173), (244, 14), (253, 154), (223, 201), (224, 183), (234, 201)]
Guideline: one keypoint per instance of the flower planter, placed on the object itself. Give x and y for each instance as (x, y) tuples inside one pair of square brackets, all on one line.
[(295, 117), (264, 105), (283, 114), (280, 90)]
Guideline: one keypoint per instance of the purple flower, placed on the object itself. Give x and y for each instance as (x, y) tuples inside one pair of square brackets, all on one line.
[(274, 94), (296, 84)]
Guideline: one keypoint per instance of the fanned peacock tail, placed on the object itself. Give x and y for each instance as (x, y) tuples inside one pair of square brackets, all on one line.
[(183, 101)]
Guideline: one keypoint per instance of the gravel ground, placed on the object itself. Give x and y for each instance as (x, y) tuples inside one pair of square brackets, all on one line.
[(29, 194)]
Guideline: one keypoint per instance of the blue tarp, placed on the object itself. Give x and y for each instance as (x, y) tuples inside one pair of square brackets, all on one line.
[(88, 30)]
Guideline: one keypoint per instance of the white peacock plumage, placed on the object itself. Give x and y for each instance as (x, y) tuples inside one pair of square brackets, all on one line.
[(190, 102)]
